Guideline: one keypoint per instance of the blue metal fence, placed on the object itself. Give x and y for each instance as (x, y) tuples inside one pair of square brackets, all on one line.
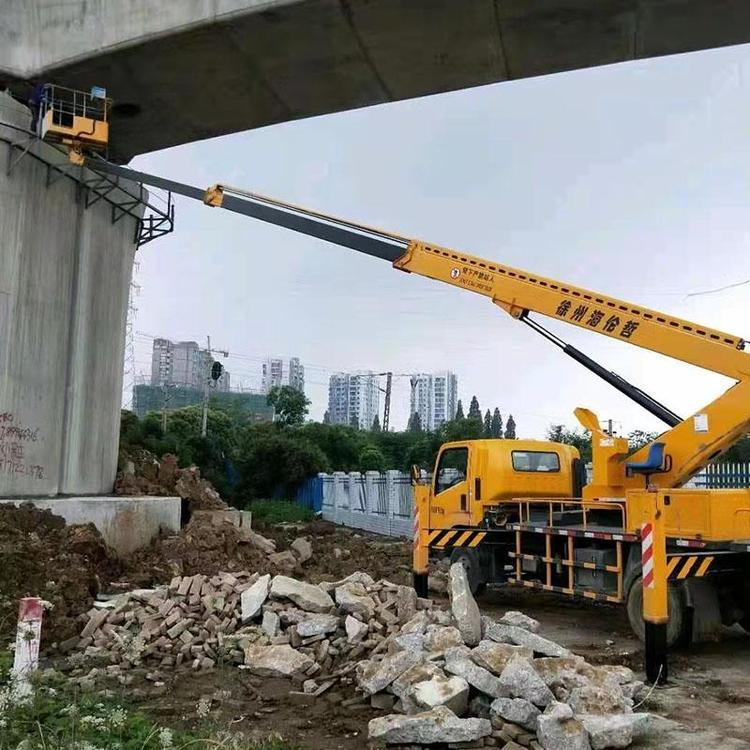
[(310, 494)]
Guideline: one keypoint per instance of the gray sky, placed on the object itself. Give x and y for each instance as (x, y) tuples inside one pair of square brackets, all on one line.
[(632, 180)]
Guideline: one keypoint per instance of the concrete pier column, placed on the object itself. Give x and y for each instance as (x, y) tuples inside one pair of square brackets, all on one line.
[(65, 272)]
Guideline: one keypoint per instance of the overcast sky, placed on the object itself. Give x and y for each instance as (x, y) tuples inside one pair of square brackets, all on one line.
[(633, 180)]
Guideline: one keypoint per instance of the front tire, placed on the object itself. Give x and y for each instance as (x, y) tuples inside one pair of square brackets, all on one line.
[(678, 625)]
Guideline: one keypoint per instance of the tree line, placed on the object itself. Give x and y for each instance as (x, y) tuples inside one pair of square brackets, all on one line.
[(246, 459)]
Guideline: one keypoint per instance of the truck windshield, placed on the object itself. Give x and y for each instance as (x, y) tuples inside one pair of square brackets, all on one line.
[(451, 469), (535, 461)]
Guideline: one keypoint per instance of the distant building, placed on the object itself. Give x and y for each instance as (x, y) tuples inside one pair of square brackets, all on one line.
[(434, 397), (183, 364), (148, 398), (277, 372), (353, 399)]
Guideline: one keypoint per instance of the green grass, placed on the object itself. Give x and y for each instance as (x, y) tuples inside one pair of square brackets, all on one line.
[(279, 511), (57, 717)]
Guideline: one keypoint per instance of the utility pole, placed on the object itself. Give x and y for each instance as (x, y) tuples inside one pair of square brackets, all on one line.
[(207, 378), (206, 381)]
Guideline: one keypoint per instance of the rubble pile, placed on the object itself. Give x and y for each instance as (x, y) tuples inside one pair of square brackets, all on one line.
[(142, 473), (475, 682), (447, 678)]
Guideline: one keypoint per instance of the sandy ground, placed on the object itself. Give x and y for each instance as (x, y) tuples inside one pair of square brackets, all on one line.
[(709, 685)]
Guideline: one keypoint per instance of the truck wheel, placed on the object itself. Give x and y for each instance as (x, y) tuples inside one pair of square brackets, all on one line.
[(470, 560), (678, 624)]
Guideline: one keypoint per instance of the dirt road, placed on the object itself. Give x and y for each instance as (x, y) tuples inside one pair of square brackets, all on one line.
[(709, 687)]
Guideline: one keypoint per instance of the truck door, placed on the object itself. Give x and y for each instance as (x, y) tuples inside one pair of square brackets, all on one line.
[(451, 494)]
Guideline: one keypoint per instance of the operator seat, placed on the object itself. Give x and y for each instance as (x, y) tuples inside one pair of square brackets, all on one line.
[(655, 463)]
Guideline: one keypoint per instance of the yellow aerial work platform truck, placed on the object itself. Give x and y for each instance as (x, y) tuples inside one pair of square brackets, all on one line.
[(520, 512)]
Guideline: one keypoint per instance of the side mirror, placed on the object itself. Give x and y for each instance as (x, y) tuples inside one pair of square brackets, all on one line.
[(416, 474)]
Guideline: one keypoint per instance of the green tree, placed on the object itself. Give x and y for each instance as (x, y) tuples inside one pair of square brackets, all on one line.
[(273, 458), (487, 432), (327, 417), (459, 410), (290, 404), (738, 453), (496, 428), (460, 429), (559, 433), (510, 428), (415, 423), (474, 411), (354, 421), (341, 444), (638, 438), (372, 459), (376, 424)]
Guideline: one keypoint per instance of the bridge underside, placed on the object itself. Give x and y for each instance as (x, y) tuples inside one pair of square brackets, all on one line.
[(211, 68)]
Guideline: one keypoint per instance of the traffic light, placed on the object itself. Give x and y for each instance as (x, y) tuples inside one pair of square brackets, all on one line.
[(216, 370)]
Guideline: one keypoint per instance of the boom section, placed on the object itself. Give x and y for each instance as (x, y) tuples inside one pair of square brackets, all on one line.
[(518, 291)]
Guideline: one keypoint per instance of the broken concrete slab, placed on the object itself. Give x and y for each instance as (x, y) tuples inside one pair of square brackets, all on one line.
[(501, 633), (558, 730), (439, 638), (317, 624), (616, 731), (252, 599), (354, 599), (516, 711), (276, 661), (452, 692), (305, 595), (440, 725), (302, 548), (495, 656), (355, 629), (457, 662), (374, 676), (519, 619), (464, 608), (522, 681)]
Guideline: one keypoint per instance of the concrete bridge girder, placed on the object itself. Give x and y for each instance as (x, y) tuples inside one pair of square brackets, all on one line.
[(184, 71)]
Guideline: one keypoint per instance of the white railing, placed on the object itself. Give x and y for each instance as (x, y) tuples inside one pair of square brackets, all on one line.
[(381, 503), (722, 476)]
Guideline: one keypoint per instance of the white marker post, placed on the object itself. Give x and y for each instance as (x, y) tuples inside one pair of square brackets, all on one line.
[(28, 636)]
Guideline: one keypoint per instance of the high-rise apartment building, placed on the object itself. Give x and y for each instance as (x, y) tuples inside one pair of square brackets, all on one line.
[(276, 372), (184, 364), (353, 399), (434, 397)]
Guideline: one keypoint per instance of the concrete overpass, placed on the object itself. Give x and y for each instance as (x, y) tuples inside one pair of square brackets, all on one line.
[(190, 69)]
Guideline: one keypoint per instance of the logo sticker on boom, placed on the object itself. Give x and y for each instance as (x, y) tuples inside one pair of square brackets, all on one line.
[(455, 273)]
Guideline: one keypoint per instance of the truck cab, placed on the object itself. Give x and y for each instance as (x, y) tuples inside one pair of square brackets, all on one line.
[(475, 481)]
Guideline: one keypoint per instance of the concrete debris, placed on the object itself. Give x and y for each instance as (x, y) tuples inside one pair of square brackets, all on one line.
[(452, 692), (276, 661), (431, 727), (305, 595), (501, 633), (374, 676), (614, 731), (519, 619), (514, 710), (271, 623), (285, 561), (558, 730), (439, 638), (425, 665), (302, 548), (314, 625), (458, 663), (495, 656), (353, 598), (355, 629), (254, 597), (522, 681), (463, 605)]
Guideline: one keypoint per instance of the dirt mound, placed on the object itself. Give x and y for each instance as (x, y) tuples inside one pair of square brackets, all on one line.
[(201, 547), (144, 474), (339, 552), (41, 556)]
